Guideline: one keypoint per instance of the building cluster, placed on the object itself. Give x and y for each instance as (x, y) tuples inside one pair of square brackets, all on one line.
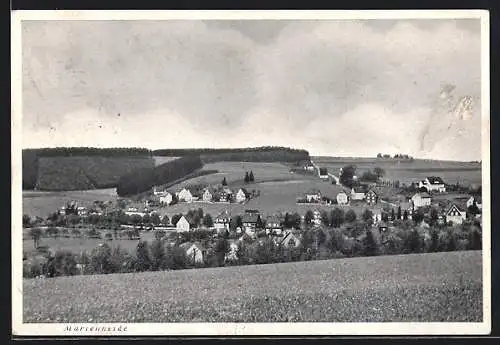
[(223, 195)]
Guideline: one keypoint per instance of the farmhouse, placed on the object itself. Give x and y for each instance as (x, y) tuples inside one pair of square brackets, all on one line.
[(316, 217), (195, 252), (249, 220), (371, 197), (432, 184), (421, 200), (342, 198), (131, 211), (273, 225), (182, 225), (225, 195), (207, 196), (290, 240), (241, 195), (222, 221), (357, 194), (185, 195), (82, 211), (313, 196), (455, 215), (166, 198)]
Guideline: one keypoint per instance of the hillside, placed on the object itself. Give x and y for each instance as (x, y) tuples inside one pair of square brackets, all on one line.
[(421, 287)]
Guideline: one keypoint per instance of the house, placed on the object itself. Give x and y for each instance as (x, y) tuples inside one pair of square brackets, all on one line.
[(455, 215), (166, 198), (225, 195), (131, 211), (232, 253), (377, 215), (222, 221), (313, 196), (371, 197), (433, 184), (421, 200), (62, 210), (249, 220), (290, 239), (475, 200), (316, 217), (182, 225), (82, 211), (357, 194), (185, 195), (195, 252), (273, 225), (207, 196), (342, 198), (241, 195)]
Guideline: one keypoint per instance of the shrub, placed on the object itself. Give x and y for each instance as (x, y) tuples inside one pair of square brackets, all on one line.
[(158, 255), (63, 263)]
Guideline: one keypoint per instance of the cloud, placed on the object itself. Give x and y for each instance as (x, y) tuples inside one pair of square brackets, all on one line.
[(332, 87)]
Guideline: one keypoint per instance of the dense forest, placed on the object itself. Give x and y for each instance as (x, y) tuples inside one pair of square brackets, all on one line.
[(75, 168), (144, 179)]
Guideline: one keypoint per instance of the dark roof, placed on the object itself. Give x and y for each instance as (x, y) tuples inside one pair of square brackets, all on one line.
[(435, 180), (457, 206), (423, 195), (250, 218), (371, 191)]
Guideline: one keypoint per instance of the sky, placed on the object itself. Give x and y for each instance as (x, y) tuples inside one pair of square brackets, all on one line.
[(332, 87)]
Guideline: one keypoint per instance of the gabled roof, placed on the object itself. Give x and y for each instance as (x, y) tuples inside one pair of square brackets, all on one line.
[(422, 195), (357, 190), (223, 214), (435, 180), (371, 191), (454, 206)]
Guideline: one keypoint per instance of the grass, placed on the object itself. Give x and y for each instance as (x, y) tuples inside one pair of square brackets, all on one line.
[(465, 173), (420, 287), (40, 203)]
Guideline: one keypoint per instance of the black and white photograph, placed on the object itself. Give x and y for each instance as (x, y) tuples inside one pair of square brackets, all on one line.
[(250, 172)]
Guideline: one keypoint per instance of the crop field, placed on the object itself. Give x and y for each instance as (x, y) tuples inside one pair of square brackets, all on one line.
[(40, 203), (408, 288), (466, 173)]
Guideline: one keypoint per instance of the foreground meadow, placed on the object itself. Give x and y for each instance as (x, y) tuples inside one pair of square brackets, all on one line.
[(420, 287)]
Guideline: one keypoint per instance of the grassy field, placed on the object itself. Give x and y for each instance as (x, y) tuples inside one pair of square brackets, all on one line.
[(40, 203), (465, 173), (414, 288), (159, 160)]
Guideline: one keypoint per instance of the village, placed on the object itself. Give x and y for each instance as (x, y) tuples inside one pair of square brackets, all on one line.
[(425, 204)]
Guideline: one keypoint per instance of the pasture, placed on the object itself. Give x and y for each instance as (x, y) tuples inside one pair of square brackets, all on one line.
[(466, 173), (41, 204), (434, 287)]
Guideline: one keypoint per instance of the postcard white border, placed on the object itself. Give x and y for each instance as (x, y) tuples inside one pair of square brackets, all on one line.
[(243, 329)]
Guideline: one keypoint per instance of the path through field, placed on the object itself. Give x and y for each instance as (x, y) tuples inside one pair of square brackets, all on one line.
[(421, 287)]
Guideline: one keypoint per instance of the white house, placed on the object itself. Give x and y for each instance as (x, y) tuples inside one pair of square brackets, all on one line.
[(313, 196), (317, 217), (433, 184), (241, 195), (342, 198), (185, 195), (357, 194), (207, 196), (133, 211), (222, 221), (182, 225), (421, 200), (195, 252), (273, 225), (290, 240), (455, 215), (165, 198)]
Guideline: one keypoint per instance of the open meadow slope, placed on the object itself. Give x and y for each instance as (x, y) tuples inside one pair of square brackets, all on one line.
[(420, 287), (466, 173)]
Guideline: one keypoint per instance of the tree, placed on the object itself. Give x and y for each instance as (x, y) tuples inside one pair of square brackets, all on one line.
[(308, 217), (379, 155), (236, 222), (413, 243), (35, 234), (261, 224), (158, 257), (337, 217), (350, 216), (247, 177), (221, 248), (207, 221), (473, 210), (143, 259), (165, 221), (100, 260), (368, 217), (399, 212), (175, 219), (393, 215), (324, 218), (418, 216), (224, 182), (26, 221), (475, 241), (155, 219), (370, 246), (369, 176), (62, 264), (347, 175), (146, 219), (251, 178), (434, 247), (159, 234), (379, 172), (405, 215), (385, 217), (136, 219), (52, 231), (433, 217)]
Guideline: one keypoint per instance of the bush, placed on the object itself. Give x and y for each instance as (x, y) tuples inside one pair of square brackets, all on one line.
[(158, 255), (63, 263)]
